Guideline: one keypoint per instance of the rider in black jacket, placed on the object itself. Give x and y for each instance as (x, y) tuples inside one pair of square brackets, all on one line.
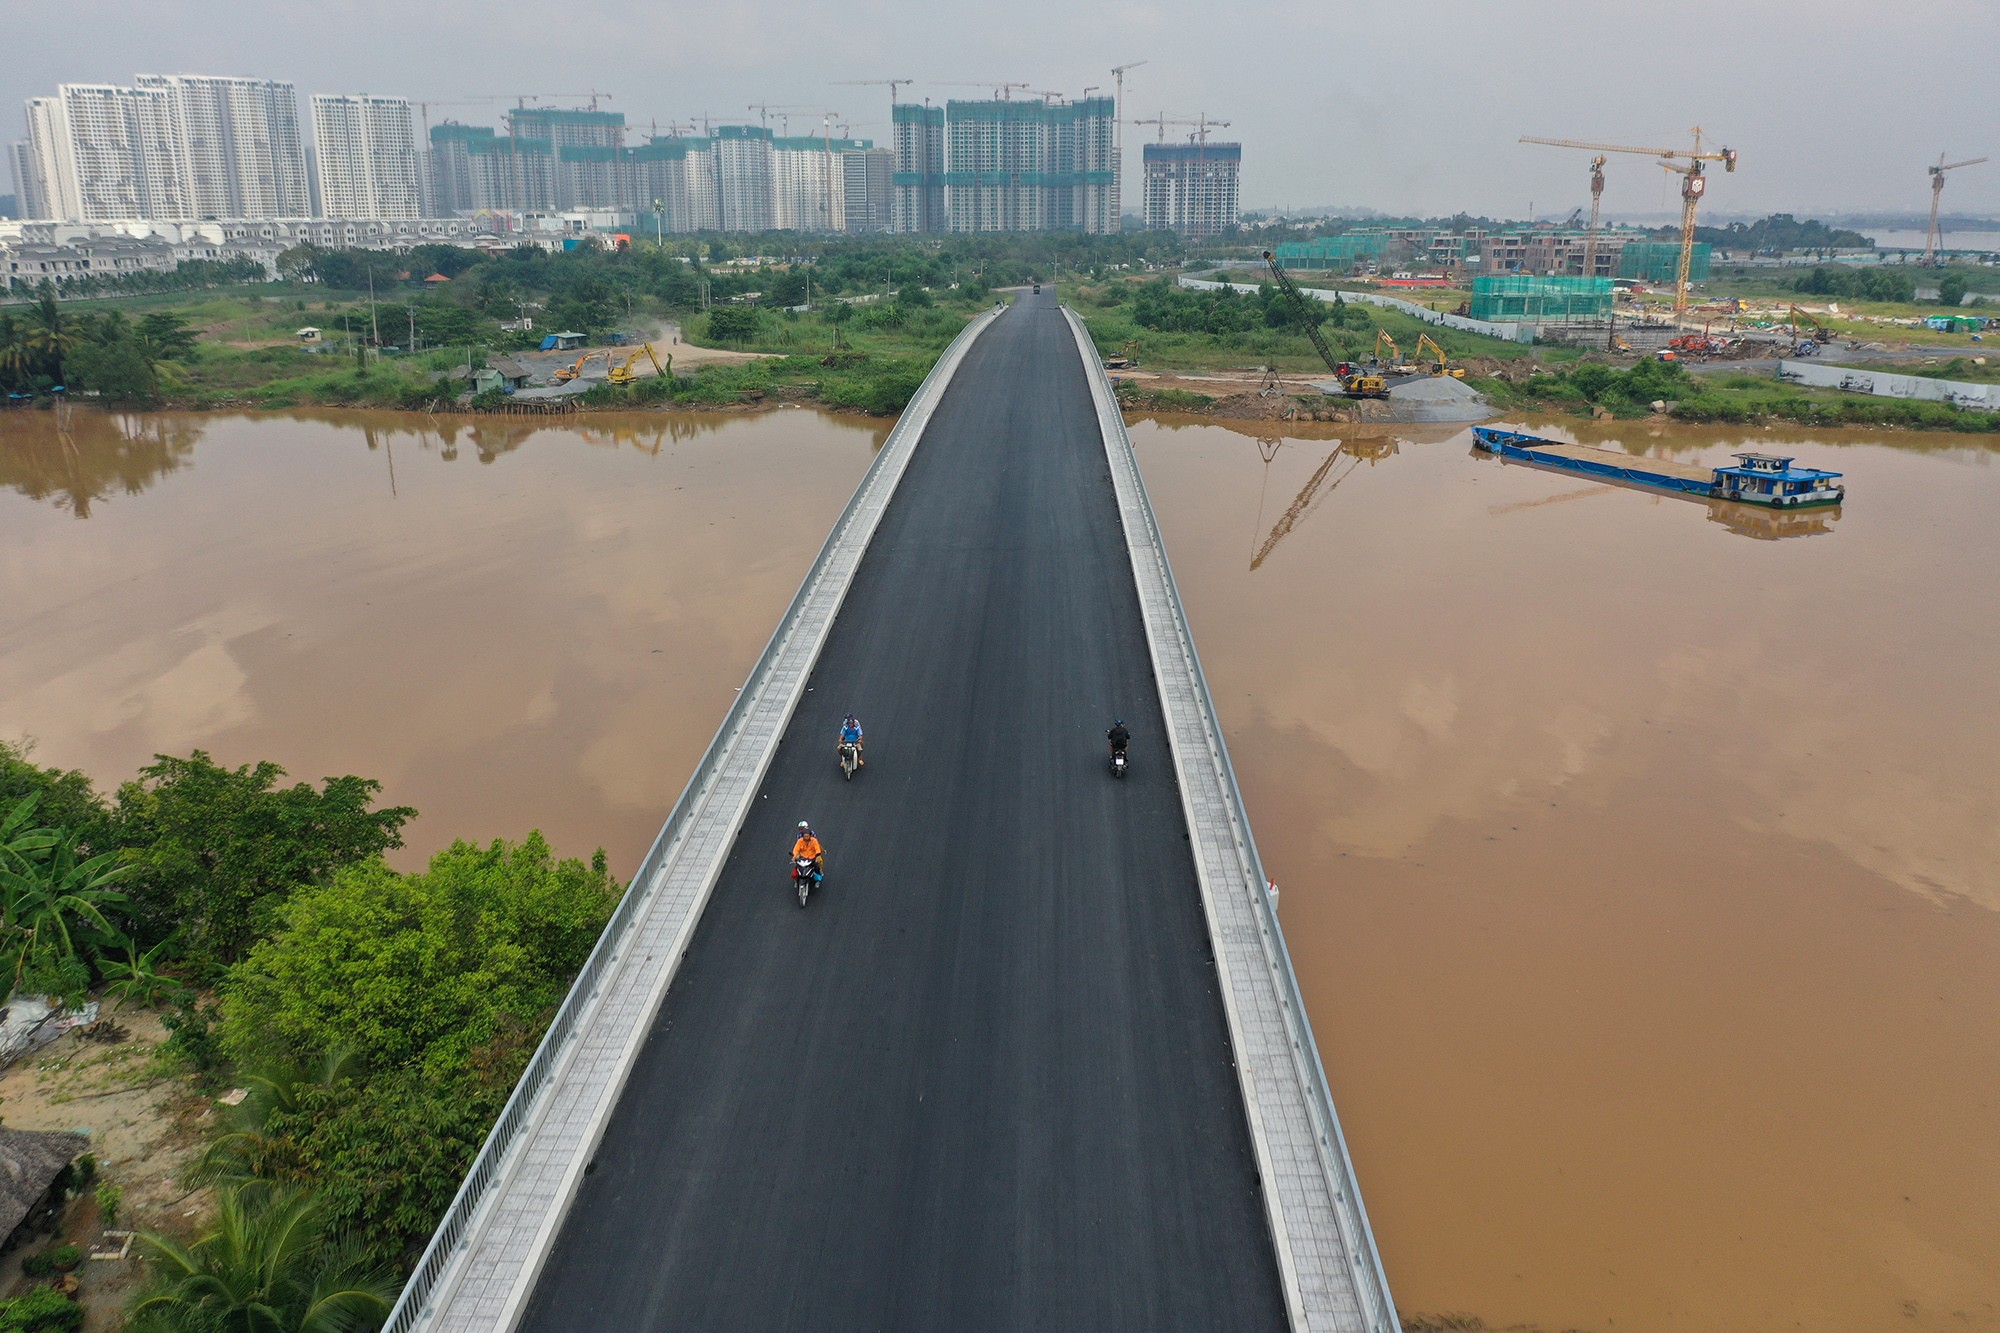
[(1119, 736)]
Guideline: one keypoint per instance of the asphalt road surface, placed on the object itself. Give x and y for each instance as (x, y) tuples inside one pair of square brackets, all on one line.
[(982, 1081)]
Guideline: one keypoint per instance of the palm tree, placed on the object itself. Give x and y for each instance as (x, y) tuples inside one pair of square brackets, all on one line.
[(49, 333), (253, 1145), (267, 1265), (15, 354), (48, 897)]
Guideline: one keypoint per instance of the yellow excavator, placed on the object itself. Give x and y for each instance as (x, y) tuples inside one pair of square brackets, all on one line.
[(623, 374), (1393, 363), (570, 372), (1441, 366)]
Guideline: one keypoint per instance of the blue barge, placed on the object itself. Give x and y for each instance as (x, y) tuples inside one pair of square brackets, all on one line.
[(1759, 479)]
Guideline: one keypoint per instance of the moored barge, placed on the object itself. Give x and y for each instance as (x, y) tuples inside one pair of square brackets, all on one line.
[(1759, 479)]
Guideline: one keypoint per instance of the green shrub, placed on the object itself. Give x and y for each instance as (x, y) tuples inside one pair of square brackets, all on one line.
[(42, 1311), (109, 1197), (65, 1257)]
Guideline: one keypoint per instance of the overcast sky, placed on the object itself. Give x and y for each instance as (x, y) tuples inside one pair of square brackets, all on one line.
[(1834, 104)]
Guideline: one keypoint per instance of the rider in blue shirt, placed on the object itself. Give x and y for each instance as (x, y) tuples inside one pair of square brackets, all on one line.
[(850, 734)]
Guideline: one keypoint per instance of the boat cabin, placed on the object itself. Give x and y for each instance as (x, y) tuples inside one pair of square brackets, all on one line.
[(1770, 479)]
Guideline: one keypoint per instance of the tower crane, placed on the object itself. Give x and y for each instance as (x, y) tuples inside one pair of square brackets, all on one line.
[(890, 84), (1933, 238), (1202, 125), (1118, 131), (1002, 92), (764, 111), (1693, 184)]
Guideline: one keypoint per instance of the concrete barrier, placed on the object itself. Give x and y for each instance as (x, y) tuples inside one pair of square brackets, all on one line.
[(482, 1262), (1330, 1269), (1887, 384)]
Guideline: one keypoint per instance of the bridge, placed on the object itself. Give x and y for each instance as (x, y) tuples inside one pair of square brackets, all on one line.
[(1034, 1057)]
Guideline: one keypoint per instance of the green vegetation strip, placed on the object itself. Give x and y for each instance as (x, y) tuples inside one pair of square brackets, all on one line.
[(377, 1020)]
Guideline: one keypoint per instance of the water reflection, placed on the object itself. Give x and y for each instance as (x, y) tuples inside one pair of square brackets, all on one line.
[(549, 642), (1770, 525), (1336, 467), (1642, 902), (99, 455)]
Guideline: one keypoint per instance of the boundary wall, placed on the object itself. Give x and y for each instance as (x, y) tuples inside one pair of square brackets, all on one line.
[(1513, 333), (1887, 384), (488, 1250), (1327, 1261)]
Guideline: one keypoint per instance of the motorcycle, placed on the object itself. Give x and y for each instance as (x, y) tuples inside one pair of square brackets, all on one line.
[(1118, 763), (850, 759), (805, 876)]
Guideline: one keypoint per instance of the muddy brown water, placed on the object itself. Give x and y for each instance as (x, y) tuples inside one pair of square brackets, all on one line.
[(1640, 857), (511, 626)]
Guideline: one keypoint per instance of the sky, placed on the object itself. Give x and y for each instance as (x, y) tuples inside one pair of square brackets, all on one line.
[(1834, 105)]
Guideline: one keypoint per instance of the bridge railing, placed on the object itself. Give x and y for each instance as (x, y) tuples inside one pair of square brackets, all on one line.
[(411, 1305), (1371, 1281)]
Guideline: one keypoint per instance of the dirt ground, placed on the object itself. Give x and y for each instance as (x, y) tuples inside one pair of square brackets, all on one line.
[(145, 1126)]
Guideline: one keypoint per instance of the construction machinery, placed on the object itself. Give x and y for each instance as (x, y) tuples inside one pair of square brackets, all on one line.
[(1202, 125), (1126, 358), (1815, 336), (1394, 362), (1694, 183), (1933, 238), (622, 374), (570, 372), (1353, 382), (1441, 366)]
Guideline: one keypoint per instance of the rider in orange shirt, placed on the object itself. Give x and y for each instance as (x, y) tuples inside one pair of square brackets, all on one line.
[(807, 847)]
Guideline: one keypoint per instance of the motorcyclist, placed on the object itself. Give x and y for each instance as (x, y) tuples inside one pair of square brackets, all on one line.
[(850, 734), (806, 848), (1119, 736)]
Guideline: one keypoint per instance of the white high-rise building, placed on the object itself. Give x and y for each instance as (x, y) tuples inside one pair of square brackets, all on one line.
[(123, 158), (743, 178), (240, 141), (44, 169), (28, 192), (809, 179), (366, 150), (1191, 187)]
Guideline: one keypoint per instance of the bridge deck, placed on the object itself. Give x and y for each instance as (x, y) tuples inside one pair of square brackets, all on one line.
[(984, 1081)]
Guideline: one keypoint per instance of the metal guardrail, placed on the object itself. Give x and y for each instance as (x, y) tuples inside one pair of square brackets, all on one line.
[(1333, 1143), (411, 1305)]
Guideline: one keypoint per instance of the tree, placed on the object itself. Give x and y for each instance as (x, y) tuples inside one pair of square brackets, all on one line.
[(218, 849), (268, 1264), (1951, 289), (414, 971), (52, 905), (50, 333), (732, 324), (433, 988), (166, 336), (117, 371)]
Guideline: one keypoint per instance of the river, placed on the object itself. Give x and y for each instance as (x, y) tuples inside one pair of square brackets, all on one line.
[(1640, 857)]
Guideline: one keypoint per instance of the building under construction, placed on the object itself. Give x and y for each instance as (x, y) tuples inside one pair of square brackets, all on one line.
[(1003, 165), (1191, 187), (1524, 299)]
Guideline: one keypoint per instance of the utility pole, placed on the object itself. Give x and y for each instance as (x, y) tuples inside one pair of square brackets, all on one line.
[(373, 323)]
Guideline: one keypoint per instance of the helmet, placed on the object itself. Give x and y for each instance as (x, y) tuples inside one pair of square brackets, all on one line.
[(804, 827), (1117, 721)]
